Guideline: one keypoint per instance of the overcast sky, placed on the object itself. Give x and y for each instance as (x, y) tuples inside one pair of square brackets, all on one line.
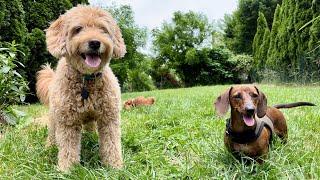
[(152, 13)]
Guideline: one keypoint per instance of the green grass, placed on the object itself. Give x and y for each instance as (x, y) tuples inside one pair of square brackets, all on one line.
[(178, 137)]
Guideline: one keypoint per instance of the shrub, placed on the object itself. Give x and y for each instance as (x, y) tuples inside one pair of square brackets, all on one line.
[(165, 77), (13, 86), (138, 81), (243, 67)]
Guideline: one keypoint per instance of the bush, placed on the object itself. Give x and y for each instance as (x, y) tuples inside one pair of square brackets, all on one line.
[(165, 77), (243, 67), (13, 86), (138, 81)]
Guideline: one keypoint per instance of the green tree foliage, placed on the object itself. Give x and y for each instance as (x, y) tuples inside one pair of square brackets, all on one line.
[(274, 45), (303, 14), (133, 71), (290, 41), (40, 13), (260, 42), (36, 56), (242, 25), (315, 28), (243, 67), (184, 46), (12, 25), (314, 43), (76, 2)]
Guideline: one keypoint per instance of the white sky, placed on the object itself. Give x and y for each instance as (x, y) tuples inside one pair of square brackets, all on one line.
[(152, 13)]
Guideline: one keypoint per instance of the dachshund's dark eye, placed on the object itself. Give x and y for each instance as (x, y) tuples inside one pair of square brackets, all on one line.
[(254, 95), (77, 30), (237, 96)]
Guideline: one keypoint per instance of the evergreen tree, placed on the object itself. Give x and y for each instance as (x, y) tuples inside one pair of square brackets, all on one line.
[(261, 35), (273, 46), (314, 43), (302, 15), (315, 28), (241, 27), (284, 48), (12, 25), (264, 48)]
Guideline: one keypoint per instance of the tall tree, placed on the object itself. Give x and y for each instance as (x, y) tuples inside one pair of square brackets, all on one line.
[(176, 43), (314, 43), (242, 26), (184, 45), (12, 25), (315, 28), (274, 45), (302, 15), (289, 47), (133, 70), (260, 40)]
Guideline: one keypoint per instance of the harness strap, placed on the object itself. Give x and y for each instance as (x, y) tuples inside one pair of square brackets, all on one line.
[(250, 135), (87, 79)]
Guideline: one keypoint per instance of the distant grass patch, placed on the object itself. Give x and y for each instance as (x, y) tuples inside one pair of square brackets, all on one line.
[(178, 137)]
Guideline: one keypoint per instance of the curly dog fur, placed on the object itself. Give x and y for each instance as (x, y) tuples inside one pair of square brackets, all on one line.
[(84, 39)]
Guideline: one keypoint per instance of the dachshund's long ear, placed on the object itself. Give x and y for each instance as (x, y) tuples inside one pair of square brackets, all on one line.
[(56, 37), (222, 103), (262, 104)]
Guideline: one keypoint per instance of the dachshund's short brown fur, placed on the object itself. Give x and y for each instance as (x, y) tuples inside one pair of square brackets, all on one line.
[(249, 101), (139, 101)]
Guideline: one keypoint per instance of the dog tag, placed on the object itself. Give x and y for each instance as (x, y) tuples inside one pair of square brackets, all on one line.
[(84, 94)]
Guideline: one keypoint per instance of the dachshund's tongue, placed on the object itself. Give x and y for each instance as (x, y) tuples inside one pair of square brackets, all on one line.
[(92, 60), (249, 121)]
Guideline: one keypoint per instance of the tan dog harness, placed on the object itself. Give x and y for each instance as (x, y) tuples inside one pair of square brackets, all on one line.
[(250, 135)]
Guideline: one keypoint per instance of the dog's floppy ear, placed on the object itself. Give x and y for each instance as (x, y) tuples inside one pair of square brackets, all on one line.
[(56, 37), (262, 104), (119, 48), (222, 103)]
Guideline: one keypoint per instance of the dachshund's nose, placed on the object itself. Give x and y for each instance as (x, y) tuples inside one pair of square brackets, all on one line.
[(249, 110), (94, 44)]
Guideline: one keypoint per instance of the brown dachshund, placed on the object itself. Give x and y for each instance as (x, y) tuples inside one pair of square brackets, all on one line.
[(139, 101), (252, 122)]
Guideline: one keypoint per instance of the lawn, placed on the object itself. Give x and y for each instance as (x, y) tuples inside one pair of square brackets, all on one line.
[(179, 137)]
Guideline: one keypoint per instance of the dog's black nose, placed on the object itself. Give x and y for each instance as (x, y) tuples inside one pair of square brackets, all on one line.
[(250, 110), (94, 44)]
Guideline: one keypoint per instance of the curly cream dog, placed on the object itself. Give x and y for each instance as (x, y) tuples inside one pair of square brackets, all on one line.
[(83, 89)]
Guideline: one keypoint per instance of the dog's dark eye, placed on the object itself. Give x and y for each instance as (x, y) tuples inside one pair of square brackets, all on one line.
[(105, 30), (237, 96), (77, 30), (254, 95)]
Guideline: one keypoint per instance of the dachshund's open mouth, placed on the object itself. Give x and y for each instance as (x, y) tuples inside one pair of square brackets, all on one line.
[(248, 120), (93, 60)]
